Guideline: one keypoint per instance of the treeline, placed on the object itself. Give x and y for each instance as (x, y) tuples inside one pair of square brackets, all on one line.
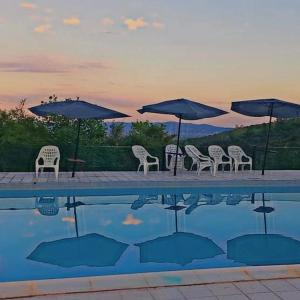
[(284, 143), (22, 135)]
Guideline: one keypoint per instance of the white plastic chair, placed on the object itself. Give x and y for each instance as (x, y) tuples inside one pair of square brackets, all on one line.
[(218, 154), (240, 158), (201, 161), (142, 155), (170, 157), (48, 157)]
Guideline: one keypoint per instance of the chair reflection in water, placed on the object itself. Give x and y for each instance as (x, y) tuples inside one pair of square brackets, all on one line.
[(47, 206), (92, 249)]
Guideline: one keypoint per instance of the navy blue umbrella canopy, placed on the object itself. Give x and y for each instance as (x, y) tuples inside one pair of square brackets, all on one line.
[(183, 109), (79, 110), (76, 109), (267, 108)]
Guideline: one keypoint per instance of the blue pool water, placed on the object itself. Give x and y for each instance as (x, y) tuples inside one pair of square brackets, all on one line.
[(56, 234)]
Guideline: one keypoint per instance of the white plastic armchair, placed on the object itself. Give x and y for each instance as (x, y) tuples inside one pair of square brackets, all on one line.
[(219, 157), (170, 157), (48, 157), (240, 158), (142, 155), (201, 161)]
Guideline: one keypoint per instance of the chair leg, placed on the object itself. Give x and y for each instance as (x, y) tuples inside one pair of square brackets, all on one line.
[(139, 167), (215, 168), (56, 170), (236, 167), (145, 169), (37, 172)]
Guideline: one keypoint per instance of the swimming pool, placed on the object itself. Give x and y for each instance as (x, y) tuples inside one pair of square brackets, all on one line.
[(71, 233)]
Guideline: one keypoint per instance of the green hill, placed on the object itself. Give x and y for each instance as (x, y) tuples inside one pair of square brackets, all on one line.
[(284, 143)]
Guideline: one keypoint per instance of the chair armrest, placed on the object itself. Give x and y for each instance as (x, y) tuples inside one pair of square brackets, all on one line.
[(248, 157), (153, 157), (38, 159)]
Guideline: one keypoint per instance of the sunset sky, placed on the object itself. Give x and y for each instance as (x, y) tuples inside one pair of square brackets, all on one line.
[(123, 54)]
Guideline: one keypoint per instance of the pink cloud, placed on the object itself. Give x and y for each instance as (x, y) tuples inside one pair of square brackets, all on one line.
[(72, 21), (134, 24), (131, 220), (28, 5), (107, 22), (49, 64), (158, 25), (44, 28), (68, 219)]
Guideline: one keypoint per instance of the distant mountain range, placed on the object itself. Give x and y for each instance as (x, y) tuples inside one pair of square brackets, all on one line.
[(188, 130)]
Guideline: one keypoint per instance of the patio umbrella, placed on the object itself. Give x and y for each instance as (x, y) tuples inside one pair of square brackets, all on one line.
[(180, 247), (183, 109), (78, 110), (93, 250), (267, 108), (265, 248)]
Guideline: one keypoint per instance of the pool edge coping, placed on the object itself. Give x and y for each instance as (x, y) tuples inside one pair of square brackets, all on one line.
[(77, 285)]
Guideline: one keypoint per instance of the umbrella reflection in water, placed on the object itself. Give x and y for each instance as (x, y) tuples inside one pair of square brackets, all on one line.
[(180, 247), (92, 249), (266, 248)]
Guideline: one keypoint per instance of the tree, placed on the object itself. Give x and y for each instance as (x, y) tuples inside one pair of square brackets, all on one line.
[(149, 134)]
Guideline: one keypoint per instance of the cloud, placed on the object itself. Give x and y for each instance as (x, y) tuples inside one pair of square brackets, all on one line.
[(131, 220), (49, 64), (2, 20), (68, 219), (48, 10), (134, 24), (158, 25), (107, 22), (72, 21), (44, 28), (28, 5)]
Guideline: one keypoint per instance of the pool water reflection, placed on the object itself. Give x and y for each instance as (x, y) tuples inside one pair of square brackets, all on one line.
[(56, 236)]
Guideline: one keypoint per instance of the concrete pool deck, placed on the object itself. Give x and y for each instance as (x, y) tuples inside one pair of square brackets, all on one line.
[(108, 179), (267, 283)]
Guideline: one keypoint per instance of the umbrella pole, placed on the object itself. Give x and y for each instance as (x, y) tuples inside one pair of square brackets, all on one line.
[(267, 142), (177, 146), (75, 216), (176, 217), (265, 217), (76, 147)]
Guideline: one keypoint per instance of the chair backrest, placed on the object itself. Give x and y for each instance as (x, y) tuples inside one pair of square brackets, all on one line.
[(195, 151), (170, 151), (216, 152), (50, 155), (236, 152), (191, 151), (140, 152)]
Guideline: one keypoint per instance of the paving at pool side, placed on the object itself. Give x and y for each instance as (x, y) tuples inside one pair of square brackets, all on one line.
[(256, 283), (131, 178)]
